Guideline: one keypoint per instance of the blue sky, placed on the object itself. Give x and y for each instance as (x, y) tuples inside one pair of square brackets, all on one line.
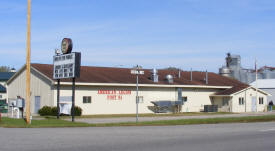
[(153, 33)]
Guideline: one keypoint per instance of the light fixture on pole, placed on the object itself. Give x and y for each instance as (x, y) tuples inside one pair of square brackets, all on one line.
[(137, 71)]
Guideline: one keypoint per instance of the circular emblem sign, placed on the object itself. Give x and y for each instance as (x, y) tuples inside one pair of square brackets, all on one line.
[(66, 45)]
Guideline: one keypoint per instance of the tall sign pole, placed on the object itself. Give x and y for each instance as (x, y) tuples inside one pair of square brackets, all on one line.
[(28, 63), (256, 84), (137, 71), (137, 100)]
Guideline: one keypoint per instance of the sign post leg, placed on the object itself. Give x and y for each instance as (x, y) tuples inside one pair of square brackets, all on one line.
[(73, 99), (137, 101), (58, 96)]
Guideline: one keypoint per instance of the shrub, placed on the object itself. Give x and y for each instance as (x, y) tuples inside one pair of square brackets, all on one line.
[(77, 111), (54, 111), (45, 110)]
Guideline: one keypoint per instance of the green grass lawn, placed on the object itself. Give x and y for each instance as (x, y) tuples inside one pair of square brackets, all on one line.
[(48, 122), (149, 115), (53, 122)]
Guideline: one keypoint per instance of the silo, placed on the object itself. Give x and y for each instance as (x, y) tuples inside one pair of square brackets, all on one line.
[(225, 71)]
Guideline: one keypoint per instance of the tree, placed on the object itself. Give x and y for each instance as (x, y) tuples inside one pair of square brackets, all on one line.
[(5, 69)]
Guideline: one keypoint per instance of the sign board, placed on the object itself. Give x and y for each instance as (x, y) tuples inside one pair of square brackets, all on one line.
[(66, 65), (137, 72)]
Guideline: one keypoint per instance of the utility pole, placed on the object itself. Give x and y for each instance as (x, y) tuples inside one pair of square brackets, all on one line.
[(28, 73)]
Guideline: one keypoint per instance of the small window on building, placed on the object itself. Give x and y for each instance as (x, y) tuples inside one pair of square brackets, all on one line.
[(184, 99), (261, 100), (87, 99), (241, 100), (140, 100), (0, 96)]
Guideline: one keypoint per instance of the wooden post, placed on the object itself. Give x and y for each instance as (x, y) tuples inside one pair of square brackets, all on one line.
[(28, 63)]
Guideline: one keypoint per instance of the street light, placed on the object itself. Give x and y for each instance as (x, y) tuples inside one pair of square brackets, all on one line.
[(137, 71)]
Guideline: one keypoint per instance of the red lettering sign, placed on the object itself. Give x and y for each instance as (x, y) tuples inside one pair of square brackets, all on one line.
[(114, 94)]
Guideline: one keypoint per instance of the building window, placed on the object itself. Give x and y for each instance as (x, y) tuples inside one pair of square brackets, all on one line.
[(140, 99), (241, 100), (0, 96), (184, 99), (87, 99), (261, 100)]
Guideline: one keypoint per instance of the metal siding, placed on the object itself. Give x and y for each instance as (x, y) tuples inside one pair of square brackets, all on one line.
[(40, 86), (272, 92)]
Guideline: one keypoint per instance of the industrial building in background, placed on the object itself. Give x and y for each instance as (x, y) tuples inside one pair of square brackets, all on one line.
[(265, 75), (233, 69), (107, 90)]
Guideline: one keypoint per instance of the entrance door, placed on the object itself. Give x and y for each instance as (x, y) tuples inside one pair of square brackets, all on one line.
[(253, 104), (36, 104)]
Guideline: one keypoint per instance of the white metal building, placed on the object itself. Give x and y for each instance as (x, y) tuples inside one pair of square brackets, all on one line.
[(104, 90), (267, 85)]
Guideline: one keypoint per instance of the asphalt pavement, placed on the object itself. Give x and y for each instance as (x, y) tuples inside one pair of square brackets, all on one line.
[(207, 137)]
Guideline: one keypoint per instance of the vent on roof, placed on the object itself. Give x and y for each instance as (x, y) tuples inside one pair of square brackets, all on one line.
[(206, 77), (191, 76), (169, 78), (154, 75)]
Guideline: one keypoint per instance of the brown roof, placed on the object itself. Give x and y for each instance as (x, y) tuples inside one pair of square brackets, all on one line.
[(90, 74), (231, 90)]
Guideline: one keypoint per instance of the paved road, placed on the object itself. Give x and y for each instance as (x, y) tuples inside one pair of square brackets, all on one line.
[(133, 119), (212, 137)]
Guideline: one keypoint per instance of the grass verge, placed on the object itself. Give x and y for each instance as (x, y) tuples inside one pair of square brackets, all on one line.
[(148, 115), (48, 122), (52, 122)]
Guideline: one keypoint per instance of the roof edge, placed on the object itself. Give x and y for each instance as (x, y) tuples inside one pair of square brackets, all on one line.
[(16, 74), (42, 74), (143, 85), (252, 88), (22, 69)]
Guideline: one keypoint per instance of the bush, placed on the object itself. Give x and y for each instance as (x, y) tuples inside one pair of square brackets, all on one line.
[(52, 111), (77, 111), (45, 110)]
